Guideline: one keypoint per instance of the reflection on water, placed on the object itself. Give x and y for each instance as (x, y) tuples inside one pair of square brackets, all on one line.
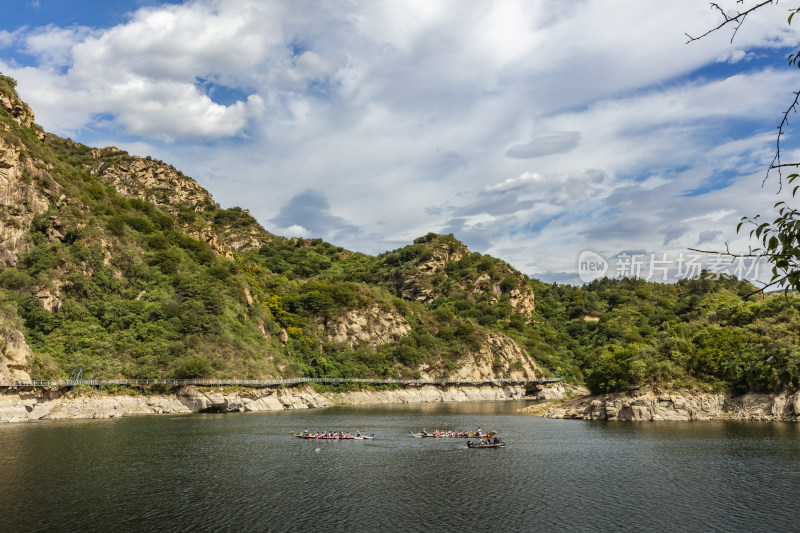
[(245, 472)]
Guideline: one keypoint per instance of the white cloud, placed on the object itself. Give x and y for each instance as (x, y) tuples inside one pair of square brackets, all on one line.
[(550, 143), (7, 38), (733, 56), (53, 46), (145, 72), (715, 216), (533, 128), (296, 231)]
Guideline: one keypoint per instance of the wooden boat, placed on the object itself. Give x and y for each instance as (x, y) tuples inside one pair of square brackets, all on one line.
[(350, 437), (471, 444), (445, 436)]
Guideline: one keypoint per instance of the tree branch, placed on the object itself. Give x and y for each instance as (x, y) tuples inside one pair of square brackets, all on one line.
[(776, 161), (739, 18), (736, 256), (762, 289), (728, 253)]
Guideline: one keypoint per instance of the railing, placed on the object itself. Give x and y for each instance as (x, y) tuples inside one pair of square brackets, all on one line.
[(263, 382)]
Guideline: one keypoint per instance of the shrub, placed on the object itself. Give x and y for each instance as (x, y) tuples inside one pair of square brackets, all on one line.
[(192, 367)]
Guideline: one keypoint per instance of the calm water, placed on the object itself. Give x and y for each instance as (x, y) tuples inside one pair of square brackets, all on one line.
[(244, 472)]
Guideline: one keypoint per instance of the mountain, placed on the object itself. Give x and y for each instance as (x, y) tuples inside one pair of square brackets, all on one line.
[(124, 267)]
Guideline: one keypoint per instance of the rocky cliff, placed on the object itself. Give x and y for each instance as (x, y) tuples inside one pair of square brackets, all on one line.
[(19, 110), (653, 405), (498, 356), (372, 326), (495, 355), (21, 198), (15, 354), (26, 190), (439, 265), (22, 406)]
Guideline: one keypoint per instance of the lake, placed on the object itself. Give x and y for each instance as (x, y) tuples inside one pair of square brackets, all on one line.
[(244, 472)]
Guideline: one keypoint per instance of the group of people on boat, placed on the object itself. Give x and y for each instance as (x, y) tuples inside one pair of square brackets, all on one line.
[(453, 434), (488, 442), (330, 434)]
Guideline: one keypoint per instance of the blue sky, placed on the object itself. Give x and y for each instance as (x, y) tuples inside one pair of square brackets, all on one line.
[(531, 130)]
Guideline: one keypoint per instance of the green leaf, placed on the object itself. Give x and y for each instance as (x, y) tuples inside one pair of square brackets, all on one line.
[(773, 243)]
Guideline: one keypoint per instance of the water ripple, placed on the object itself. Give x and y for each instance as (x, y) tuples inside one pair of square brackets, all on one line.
[(244, 473)]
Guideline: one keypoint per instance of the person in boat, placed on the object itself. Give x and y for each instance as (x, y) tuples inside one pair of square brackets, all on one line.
[(479, 432), (305, 432)]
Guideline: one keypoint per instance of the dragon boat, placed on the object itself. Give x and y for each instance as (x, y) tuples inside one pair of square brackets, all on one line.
[(312, 436), (471, 444), (446, 435)]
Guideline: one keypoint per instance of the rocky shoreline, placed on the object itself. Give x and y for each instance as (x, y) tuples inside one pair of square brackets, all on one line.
[(28, 405), (648, 404), (645, 404)]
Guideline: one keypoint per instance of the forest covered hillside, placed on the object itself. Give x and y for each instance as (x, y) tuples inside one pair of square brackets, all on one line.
[(124, 267)]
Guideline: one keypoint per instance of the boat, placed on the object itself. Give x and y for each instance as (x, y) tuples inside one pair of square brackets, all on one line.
[(314, 436), (444, 435), (471, 444)]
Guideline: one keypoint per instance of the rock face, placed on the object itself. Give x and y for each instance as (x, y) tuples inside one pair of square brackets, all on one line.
[(26, 405), (20, 198), (149, 180), (520, 299), (14, 353), (160, 184), (651, 405), (20, 201), (431, 394), (498, 356), (419, 285), (18, 109), (373, 327)]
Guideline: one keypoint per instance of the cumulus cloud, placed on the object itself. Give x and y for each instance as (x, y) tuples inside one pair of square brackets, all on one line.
[(145, 72), (53, 45), (525, 128)]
